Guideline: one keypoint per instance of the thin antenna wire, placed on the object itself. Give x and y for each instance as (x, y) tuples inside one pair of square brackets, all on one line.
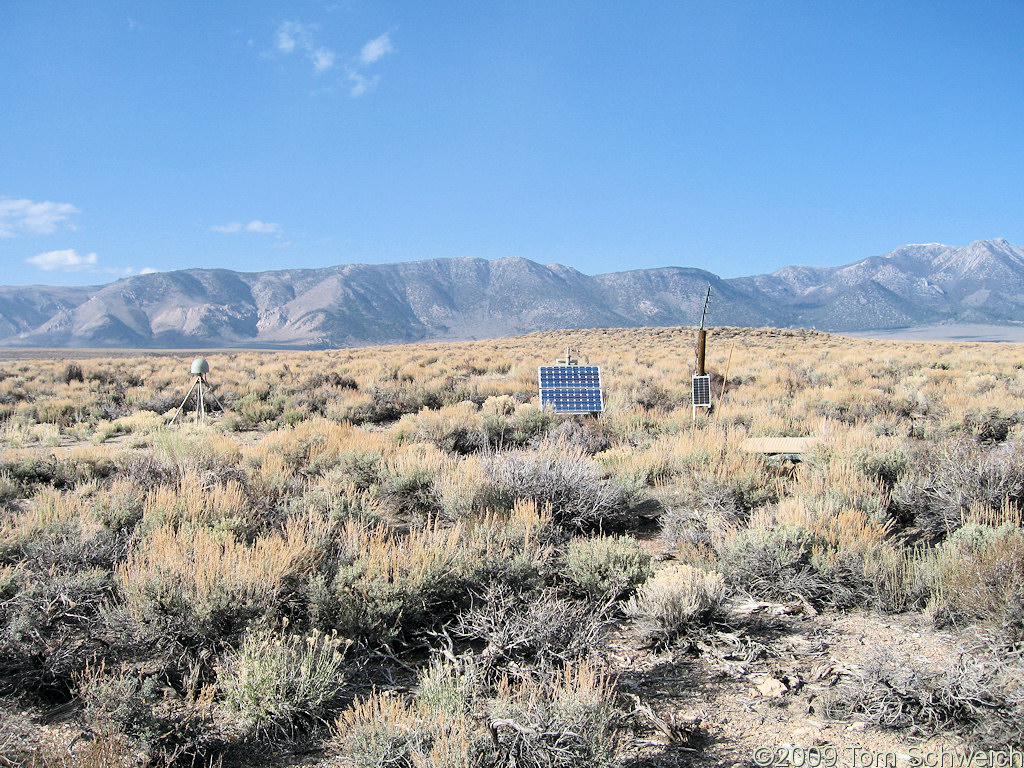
[(725, 381), (704, 313)]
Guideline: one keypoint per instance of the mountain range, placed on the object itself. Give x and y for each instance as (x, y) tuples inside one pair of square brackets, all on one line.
[(464, 298)]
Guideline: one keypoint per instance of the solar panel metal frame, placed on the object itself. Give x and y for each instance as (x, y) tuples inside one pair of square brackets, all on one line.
[(702, 391), (571, 389)]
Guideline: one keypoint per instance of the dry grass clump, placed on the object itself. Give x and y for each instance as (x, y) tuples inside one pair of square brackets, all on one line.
[(386, 729), (567, 720), (192, 502), (208, 582)]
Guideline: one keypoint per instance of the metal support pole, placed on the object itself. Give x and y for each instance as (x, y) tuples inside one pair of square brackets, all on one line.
[(199, 402), (182, 406)]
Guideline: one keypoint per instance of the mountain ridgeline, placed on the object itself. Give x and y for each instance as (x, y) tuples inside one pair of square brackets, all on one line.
[(439, 299)]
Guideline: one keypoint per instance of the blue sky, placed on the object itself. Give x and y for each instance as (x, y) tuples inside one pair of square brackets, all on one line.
[(734, 136)]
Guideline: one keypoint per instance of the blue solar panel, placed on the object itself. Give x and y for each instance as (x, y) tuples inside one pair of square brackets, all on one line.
[(570, 376), (702, 391), (571, 388)]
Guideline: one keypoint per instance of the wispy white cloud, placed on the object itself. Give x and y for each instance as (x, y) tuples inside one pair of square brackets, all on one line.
[(295, 37), (292, 34), (376, 49), (257, 226), (360, 83), (22, 216), (323, 59), (67, 260), (263, 227), (148, 271)]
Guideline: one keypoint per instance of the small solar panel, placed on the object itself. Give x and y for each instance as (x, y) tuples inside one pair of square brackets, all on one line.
[(571, 388), (701, 391), (570, 376)]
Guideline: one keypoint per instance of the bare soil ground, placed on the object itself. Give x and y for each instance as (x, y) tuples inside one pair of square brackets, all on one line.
[(748, 696)]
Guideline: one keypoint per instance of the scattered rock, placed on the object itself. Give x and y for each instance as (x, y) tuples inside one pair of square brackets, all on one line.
[(771, 688)]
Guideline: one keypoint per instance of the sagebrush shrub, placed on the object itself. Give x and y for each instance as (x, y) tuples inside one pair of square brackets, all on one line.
[(978, 576), (948, 479), (677, 600), (607, 568), (517, 630), (47, 633), (784, 563), (118, 702), (275, 680), (568, 720), (981, 700), (567, 480), (584, 435), (389, 587), (505, 431)]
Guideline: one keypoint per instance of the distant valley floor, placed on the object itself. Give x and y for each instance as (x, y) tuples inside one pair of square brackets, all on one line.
[(946, 332)]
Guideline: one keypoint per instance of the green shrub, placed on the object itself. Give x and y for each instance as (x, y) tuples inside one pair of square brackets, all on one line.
[(118, 702), (63, 473), (887, 467), (978, 576), (989, 426), (504, 432), (72, 372), (781, 563), (274, 681), (386, 587), (607, 568)]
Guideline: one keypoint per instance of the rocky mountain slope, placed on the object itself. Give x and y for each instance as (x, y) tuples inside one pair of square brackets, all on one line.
[(359, 304)]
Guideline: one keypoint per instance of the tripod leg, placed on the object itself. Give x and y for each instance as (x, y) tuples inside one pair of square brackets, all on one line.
[(182, 406), (199, 401), (213, 394)]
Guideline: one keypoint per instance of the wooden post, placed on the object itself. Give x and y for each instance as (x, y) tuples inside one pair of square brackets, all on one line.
[(702, 339)]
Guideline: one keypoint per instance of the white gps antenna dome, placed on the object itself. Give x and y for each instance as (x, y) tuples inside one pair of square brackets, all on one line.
[(200, 366)]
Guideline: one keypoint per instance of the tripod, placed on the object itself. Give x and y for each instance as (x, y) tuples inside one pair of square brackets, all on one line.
[(197, 386)]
